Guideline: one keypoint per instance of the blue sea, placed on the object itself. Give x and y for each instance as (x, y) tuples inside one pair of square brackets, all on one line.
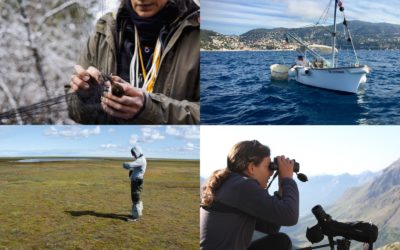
[(236, 88)]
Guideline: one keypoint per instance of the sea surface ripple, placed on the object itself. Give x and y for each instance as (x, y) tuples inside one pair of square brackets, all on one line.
[(236, 88)]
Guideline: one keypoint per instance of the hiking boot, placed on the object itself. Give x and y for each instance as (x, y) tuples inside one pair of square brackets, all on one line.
[(137, 210)]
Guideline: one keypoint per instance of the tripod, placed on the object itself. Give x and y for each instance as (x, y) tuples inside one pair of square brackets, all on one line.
[(342, 244)]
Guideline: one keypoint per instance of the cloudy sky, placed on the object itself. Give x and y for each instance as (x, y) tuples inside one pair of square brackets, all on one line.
[(237, 16), (319, 149), (175, 142)]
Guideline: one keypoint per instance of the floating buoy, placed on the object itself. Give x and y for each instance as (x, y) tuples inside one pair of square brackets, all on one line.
[(279, 72)]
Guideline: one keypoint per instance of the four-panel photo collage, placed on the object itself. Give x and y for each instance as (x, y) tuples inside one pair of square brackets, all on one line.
[(200, 124)]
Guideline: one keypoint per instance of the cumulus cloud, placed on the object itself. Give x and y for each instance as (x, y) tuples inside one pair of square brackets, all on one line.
[(151, 134), (134, 139), (72, 132), (184, 132), (190, 147), (148, 134)]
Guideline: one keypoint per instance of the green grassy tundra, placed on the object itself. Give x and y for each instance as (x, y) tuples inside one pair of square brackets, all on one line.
[(82, 205)]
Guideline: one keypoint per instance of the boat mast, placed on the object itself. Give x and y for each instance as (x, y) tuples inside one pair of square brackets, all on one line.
[(334, 35)]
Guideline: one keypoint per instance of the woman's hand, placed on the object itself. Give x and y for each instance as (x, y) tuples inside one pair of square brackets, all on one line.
[(127, 106), (285, 166)]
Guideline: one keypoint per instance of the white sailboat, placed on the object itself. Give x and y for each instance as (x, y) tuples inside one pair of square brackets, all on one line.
[(346, 79), (323, 73)]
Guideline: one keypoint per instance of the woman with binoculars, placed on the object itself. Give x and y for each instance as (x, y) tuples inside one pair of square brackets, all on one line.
[(235, 201)]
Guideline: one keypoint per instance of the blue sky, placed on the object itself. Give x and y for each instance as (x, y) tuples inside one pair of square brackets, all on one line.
[(174, 142), (319, 149), (237, 16)]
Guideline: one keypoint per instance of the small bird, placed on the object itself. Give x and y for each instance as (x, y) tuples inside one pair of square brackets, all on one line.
[(116, 89)]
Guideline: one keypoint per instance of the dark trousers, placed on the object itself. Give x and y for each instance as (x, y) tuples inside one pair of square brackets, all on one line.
[(136, 188), (278, 241)]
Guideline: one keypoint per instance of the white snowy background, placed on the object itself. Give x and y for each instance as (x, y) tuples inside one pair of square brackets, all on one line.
[(40, 41)]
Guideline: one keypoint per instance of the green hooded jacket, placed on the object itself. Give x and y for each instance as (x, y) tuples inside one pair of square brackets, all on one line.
[(176, 95)]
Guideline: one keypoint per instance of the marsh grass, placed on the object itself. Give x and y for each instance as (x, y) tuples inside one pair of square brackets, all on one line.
[(82, 205)]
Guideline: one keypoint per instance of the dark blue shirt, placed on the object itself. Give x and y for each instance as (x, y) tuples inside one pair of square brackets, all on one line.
[(251, 208)]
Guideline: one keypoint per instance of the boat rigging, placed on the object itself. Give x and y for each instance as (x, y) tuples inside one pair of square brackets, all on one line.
[(323, 73)]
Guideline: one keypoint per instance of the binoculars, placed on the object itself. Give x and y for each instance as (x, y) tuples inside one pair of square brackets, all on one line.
[(274, 165), (296, 168)]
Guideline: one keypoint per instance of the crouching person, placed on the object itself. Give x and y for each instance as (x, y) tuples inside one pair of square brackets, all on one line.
[(235, 202), (136, 169)]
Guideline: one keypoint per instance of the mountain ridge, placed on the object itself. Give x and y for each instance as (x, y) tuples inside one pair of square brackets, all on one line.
[(366, 35)]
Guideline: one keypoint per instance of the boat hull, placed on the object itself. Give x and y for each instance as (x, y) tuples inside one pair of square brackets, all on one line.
[(346, 79)]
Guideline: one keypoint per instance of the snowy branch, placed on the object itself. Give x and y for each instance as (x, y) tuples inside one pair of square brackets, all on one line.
[(57, 10), (37, 62), (11, 99), (6, 32)]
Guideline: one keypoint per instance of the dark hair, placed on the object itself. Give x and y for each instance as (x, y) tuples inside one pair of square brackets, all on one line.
[(239, 157)]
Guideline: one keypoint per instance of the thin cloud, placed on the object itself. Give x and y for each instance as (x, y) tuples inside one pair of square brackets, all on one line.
[(108, 146), (237, 17), (72, 132), (186, 148), (9, 153), (114, 149)]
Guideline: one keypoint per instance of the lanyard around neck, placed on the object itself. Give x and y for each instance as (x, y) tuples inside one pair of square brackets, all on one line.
[(149, 77)]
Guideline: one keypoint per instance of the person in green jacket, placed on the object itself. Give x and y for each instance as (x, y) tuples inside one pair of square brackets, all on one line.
[(151, 47)]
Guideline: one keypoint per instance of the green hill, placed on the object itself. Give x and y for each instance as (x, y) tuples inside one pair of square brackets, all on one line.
[(205, 35)]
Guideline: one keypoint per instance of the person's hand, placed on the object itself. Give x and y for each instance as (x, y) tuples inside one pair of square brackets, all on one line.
[(80, 79), (285, 166), (125, 107)]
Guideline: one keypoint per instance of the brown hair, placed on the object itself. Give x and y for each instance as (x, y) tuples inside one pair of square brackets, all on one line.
[(239, 157)]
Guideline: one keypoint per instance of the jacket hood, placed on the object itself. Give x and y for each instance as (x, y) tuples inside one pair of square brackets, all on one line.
[(136, 152), (186, 7)]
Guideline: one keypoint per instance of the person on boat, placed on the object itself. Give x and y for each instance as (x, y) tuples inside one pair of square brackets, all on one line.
[(301, 61), (318, 64), (153, 48), (136, 168), (235, 202)]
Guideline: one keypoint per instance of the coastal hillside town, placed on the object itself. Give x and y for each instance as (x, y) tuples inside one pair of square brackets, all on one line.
[(370, 36)]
